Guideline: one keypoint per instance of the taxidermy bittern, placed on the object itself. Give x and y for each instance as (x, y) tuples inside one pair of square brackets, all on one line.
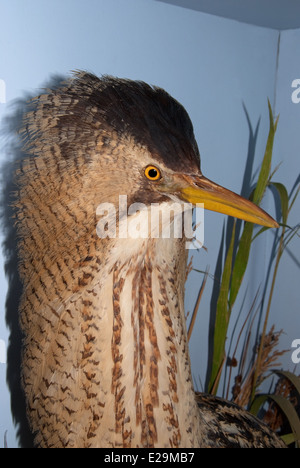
[(105, 355)]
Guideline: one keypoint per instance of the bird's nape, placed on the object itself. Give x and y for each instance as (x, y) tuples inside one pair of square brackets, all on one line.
[(105, 358)]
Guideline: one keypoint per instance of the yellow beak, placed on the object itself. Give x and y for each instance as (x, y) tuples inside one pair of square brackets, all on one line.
[(197, 189)]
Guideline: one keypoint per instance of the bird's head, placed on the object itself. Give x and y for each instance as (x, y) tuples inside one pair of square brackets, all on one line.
[(121, 136), (162, 160)]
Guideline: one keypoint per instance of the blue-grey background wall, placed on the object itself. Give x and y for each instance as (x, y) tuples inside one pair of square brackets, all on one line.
[(221, 70)]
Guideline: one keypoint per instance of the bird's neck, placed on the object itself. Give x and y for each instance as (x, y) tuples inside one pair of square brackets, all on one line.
[(109, 334), (147, 359)]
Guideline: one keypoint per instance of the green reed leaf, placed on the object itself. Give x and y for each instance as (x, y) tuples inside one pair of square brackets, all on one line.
[(265, 169), (284, 200), (222, 318)]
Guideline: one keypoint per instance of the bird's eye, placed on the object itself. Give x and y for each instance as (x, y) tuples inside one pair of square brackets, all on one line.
[(152, 173)]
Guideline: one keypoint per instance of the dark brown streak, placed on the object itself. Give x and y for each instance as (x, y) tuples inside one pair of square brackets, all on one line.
[(116, 387)]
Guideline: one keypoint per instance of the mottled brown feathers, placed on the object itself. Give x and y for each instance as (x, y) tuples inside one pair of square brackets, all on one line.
[(86, 111), (229, 426)]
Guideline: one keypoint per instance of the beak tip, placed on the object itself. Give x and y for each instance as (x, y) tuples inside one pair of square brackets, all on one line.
[(268, 221)]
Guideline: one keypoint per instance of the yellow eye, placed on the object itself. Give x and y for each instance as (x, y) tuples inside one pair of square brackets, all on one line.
[(152, 173)]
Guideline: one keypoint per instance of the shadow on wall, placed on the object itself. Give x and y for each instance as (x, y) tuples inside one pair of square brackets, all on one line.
[(13, 154)]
